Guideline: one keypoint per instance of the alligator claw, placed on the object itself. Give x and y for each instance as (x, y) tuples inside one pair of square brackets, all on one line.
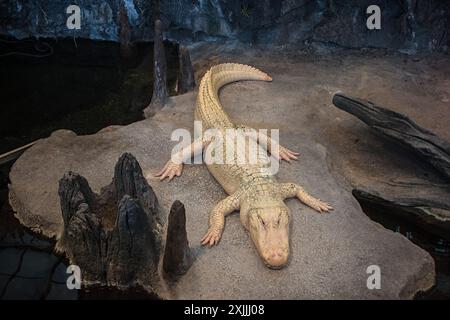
[(286, 154), (321, 206), (170, 171), (211, 238)]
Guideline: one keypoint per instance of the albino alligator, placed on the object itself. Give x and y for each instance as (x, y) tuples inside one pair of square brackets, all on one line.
[(251, 188)]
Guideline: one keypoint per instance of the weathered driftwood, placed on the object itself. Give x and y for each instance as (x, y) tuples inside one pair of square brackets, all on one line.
[(177, 254), (115, 237), (186, 79), (425, 200), (160, 93), (401, 129)]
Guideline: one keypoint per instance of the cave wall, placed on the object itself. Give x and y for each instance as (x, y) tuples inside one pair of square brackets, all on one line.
[(99, 19), (409, 25)]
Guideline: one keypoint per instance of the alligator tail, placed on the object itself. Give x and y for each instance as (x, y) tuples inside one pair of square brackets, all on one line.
[(209, 110)]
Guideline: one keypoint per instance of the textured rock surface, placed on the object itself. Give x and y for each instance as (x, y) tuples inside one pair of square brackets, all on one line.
[(99, 19), (406, 25), (330, 253)]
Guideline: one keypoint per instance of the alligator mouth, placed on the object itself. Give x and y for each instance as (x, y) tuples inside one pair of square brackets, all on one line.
[(275, 267)]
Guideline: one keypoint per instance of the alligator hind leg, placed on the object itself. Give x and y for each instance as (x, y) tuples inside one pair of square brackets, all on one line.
[(276, 150), (217, 219), (289, 190)]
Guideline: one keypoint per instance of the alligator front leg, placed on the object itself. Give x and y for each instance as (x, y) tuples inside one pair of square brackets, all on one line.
[(217, 219), (289, 190), (174, 166)]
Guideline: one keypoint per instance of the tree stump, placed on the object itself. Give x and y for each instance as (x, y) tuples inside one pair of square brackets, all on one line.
[(186, 77), (177, 255), (134, 247), (160, 94), (129, 180), (114, 237), (124, 32), (83, 240)]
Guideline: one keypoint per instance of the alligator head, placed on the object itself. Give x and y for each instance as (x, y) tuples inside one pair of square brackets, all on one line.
[(269, 230)]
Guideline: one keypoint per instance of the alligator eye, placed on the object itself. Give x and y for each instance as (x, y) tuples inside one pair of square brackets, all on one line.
[(262, 222)]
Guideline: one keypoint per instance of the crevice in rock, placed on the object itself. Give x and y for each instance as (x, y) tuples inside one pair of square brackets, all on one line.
[(435, 239)]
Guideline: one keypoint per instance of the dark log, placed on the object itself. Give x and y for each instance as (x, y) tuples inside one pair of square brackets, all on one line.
[(177, 255), (423, 194), (156, 12), (160, 94), (420, 200), (123, 253), (400, 129), (186, 78), (432, 216)]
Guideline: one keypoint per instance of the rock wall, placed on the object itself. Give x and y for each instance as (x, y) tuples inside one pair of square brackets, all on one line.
[(411, 25), (405, 24), (99, 19)]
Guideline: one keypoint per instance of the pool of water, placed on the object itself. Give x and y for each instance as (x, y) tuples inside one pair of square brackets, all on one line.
[(29, 268), (82, 85)]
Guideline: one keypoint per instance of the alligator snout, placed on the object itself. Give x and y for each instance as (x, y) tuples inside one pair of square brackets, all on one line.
[(276, 259)]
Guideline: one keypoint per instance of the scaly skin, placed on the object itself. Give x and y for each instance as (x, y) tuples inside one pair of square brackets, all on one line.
[(252, 188)]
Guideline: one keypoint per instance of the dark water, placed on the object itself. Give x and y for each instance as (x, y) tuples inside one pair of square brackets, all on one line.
[(82, 85), (433, 242), (29, 269)]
